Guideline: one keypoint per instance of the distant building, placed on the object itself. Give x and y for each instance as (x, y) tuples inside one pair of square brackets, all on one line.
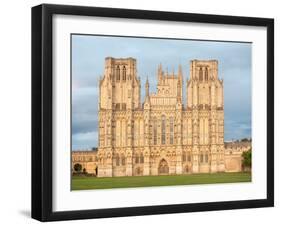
[(233, 154), (160, 136), (87, 159)]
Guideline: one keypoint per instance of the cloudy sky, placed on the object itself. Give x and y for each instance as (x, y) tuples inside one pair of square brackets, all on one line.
[(89, 52)]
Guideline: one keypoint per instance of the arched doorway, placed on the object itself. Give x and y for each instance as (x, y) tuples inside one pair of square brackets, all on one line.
[(163, 168)]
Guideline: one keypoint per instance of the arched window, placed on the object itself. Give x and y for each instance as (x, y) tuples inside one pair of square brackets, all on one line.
[(171, 130), (118, 73), (117, 160), (188, 157), (124, 73), (206, 74), (123, 160), (200, 74), (155, 131), (206, 158), (183, 157), (163, 130), (141, 158), (136, 132), (137, 158), (201, 158)]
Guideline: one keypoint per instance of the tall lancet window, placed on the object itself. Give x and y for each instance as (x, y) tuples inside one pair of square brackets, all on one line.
[(163, 130), (123, 159), (200, 74), (141, 158), (171, 130), (206, 74), (155, 131), (118, 73), (117, 159), (124, 73)]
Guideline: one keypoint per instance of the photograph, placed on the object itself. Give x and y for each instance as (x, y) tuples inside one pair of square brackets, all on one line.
[(154, 111)]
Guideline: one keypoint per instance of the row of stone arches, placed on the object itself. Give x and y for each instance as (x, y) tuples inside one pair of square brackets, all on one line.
[(163, 168)]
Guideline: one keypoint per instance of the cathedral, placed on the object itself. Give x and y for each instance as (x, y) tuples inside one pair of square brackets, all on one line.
[(161, 135)]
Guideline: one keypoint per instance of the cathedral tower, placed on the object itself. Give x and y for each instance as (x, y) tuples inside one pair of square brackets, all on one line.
[(205, 100), (119, 92), (120, 87)]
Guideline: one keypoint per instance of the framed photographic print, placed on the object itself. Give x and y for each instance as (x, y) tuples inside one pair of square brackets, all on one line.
[(145, 112)]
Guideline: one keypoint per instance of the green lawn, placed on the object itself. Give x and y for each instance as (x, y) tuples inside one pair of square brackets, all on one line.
[(82, 183)]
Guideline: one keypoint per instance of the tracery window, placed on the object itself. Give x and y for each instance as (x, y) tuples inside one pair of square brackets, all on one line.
[(123, 160), (201, 158), (118, 73), (206, 158), (183, 157), (171, 130), (200, 74), (137, 158), (124, 73), (188, 157), (155, 131), (117, 106), (117, 160), (163, 130), (136, 133), (141, 158), (206, 74)]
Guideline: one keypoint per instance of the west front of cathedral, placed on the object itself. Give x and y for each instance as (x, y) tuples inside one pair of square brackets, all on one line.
[(161, 135)]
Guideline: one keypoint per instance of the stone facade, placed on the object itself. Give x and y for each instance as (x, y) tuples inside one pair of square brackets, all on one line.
[(87, 159), (163, 135), (233, 157)]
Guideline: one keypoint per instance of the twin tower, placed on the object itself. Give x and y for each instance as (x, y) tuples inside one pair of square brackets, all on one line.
[(160, 135)]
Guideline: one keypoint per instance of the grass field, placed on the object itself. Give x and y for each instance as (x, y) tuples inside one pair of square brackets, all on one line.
[(83, 183)]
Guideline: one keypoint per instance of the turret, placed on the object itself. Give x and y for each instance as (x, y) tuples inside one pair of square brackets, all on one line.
[(146, 88), (180, 73), (179, 91), (160, 73), (147, 99)]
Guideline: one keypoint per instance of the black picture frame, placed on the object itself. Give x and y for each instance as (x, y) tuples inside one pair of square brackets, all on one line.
[(42, 111)]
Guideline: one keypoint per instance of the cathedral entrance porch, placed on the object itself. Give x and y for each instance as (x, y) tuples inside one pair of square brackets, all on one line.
[(163, 168)]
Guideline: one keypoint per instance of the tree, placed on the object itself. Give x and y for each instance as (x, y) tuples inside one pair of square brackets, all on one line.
[(247, 158), (77, 167)]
